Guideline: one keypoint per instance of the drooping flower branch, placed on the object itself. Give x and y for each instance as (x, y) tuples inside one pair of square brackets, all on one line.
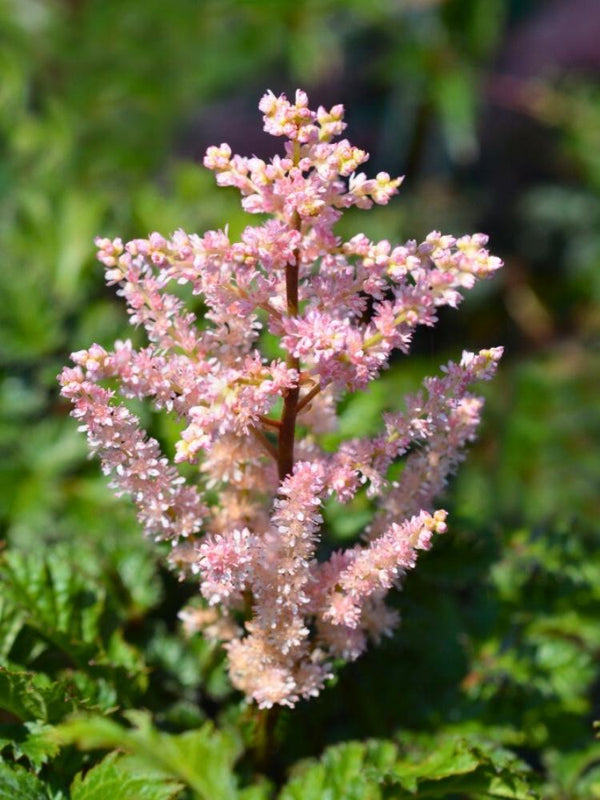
[(339, 310)]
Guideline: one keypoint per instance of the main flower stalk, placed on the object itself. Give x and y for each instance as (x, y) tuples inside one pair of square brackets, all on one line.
[(287, 431), (339, 310)]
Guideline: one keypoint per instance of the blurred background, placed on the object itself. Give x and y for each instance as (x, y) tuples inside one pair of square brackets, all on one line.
[(491, 108)]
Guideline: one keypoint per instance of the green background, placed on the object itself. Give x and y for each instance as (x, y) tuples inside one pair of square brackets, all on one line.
[(105, 110)]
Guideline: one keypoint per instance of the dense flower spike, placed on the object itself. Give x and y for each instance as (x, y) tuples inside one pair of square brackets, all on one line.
[(339, 310)]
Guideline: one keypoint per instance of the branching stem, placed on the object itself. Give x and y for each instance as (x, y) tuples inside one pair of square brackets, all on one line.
[(308, 397), (273, 423), (264, 443)]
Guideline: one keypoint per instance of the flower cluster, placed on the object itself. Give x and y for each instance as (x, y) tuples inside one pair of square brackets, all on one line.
[(339, 309)]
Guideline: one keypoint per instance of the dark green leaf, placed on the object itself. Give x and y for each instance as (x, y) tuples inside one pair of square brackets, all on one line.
[(33, 696), (32, 740), (18, 784), (57, 600)]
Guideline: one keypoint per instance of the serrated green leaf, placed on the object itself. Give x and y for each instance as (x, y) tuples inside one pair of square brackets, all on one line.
[(57, 602), (16, 783), (445, 761), (11, 622), (31, 740), (33, 696), (68, 610), (446, 765), (111, 779), (202, 759), (430, 768), (350, 771)]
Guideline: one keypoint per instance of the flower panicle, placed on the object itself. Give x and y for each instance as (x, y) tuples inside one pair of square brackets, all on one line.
[(252, 425)]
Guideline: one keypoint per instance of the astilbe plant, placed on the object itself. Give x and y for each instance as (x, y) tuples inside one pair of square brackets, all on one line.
[(339, 310)]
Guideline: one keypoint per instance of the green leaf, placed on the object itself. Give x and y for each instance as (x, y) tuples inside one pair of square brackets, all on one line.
[(260, 791), (69, 610), (443, 762), (111, 779), (31, 740), (350, 771), (11, 622), (424, 767), (202, 759), (441, 766), (18, 784), (58, 602), (33, 696), (573, 774)]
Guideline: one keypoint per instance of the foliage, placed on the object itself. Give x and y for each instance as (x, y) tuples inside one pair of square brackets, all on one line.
[(496, 662), (202, 759)]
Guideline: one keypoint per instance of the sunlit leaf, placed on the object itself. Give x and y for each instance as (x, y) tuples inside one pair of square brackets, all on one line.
[(111, 779)]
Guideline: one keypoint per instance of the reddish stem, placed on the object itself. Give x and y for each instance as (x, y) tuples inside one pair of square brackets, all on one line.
[(308, 397), (273, 423), (287, 431), (264, 442)]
